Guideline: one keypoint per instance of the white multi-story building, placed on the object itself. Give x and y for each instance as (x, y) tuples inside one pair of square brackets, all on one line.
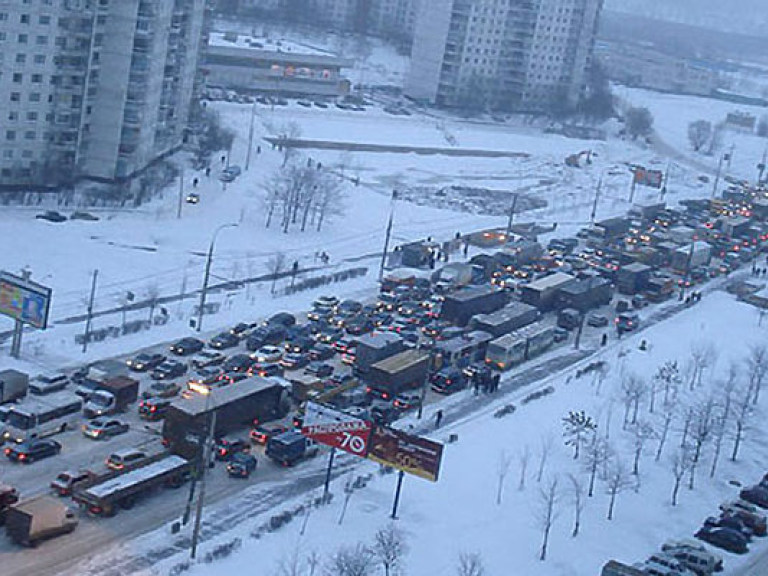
[(502, 54), (94, 89)]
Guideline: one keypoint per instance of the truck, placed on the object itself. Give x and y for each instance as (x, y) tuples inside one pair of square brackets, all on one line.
[(584, 295), (303, 385), (88, 378), (689, 257), (105, 497), (459, 307), (452, 276), (8, 496), (375, 346), (511, 317), (290, 447), (633, 278), (110, 396), (521, 345), (541, 293), (13, 385), (249, 401), (29, 521), (403, 371)]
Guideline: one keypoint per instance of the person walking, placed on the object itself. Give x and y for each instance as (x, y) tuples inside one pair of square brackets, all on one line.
[(438, 418)]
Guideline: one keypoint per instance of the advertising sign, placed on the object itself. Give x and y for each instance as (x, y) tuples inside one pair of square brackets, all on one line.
[(336, 429), (645, 177), (23, 300), (412, 454)]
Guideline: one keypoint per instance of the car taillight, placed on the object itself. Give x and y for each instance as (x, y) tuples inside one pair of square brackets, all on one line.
[(222, 451), (153, 409), (7, 451), (22, 456)]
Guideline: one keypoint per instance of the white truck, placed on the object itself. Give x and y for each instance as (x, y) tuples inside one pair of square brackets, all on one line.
[(13, 385)]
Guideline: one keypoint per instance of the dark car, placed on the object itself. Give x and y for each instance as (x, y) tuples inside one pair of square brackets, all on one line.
[(725, 521), (241, 465), (755, 495), (272, 334), (265, 369), (285, 319), (448, 381), (168, 369), (187, 346), (724, 538), (319, 369), (87, 216), (407, 401), (154, 408), (294, 361), (320, 352), (329, 335), (597, 320), (241, 329), (145, 361), (383, 413), (227, 446), (238, 363), (52, 216), (349, 307), (101, 428), (32, 450), (299, 344), (207, 358), (262, 433), (232, 377), (359, 325), (162, 390), (224, 340)]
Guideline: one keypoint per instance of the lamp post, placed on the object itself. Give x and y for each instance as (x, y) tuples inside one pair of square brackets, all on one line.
[(206, 277), (388, 234)]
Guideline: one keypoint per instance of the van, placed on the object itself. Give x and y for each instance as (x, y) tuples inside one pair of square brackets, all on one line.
[(615, 568), (695, 556), (669, 562), (125, 458)]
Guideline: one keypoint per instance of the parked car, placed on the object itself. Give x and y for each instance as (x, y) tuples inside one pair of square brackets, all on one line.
[(101, 428), (755, 495), (145, 361), (227, 446), (32, 450), (187, 346), (597, 320), (241, 465), (52, 216), (224, 340), (263, 432), (319, 369), (47, 384), (694, 556), (672, 564), (80, 215), (724, 538), (753, 520), (168, 369), (125, 457), (162, 390), (725, 521)]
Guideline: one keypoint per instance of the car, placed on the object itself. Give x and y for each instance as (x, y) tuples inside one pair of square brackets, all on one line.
[(407, 401), (662, 560), (326, 303), (294, 361), (724, 538), (755, 521), (740, 505), (46, 384), (227, 446), (267, 354), (329, 335), (232, 377), (319, 369), (224, 340), (304, 103), (52, 216), (80, 215), (153, 409), (597, 320), (192, 198), (266, 369), (342, 345), (206, 359), (299, 344), (168, 369), (241, 329), (383, 413), (238, 363), (32, 450), (285, 319), (66, 481), (447, 381), (230, 173), (271, 334), (145, 361), (187, 346), (755, 495), (206, 375), (320, 315), (694, 556), (320, 352), (162, 390), (263, 432), (560, 334), (241, 465), (349, 307), (359, 326), (101, 428), (320, 104), (125, 458)]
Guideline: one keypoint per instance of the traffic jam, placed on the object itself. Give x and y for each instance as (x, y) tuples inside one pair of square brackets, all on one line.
[(102, 438)]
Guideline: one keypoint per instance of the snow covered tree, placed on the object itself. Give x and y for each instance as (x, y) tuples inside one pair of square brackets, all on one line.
[(741, 416), (633, 390), (275, 265), (638, 121), (502, 469), (668, 379), (355, 560), (617, 480), (641, 433), (470, 564), (523, 457), (702, 425), (549, 497), (681, 462), (577, 427), (578, 501), (596, 453), (545, 450), (721, 415), (389, 548), (757, 365), (699, 132)]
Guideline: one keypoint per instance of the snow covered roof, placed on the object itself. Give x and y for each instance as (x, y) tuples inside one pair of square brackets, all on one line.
[(136, 476)]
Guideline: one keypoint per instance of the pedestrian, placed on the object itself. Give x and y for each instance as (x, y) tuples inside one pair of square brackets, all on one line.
[(604, 339), (207, 171), (475, 386), (258, 149), (496, 381), (195, 182), (687, 300), (681, 296), (438, 418), (223, 159), (765, 271), (466, 249)]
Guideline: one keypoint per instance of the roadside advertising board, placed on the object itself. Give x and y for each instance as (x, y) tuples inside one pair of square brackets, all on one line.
[(412, 454), (24, 300), (646, 177), (336, 429)]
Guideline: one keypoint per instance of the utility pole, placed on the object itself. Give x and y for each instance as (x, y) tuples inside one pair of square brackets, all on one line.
[(181, 193), (761, 166), (511, 217), (388, 234), (200, 499), (730, 157), (633, 186), (599, 189), (250, 137), (89, 316), (207, 275), (666, 181), (717, 176)]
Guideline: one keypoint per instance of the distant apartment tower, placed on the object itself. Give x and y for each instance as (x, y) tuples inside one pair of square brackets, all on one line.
[(508, 55), (95, 89)]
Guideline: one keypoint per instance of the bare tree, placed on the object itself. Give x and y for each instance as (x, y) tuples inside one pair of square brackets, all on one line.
[(668, 378), (275, 265), (577, 498), (599, 378), (389, 548), (470, 564), (641, 433), (502, 469), (523, 458), (757, 365), (152, 296), (741, 415), (349, 489), (617, 480), (355, 560), (577, 427), (596, 454), (702, 425), (545, 450), (633, 389), (290, 564), (667, 417), (703, 357), (681, 462), (313, 561), (331, 200), (289, 131), (721, 415), (699, 132), (716, 139), (547, 513)]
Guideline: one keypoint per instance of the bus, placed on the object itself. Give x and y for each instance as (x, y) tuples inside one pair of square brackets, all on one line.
[(519, 346), (40, 417)]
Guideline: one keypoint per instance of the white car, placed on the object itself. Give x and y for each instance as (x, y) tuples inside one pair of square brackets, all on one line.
[(268, 354)]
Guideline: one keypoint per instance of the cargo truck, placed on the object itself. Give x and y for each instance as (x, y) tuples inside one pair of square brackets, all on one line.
[(374, 347), (689, 257), (290, 447), (459, 307), (88, 379), (8, 496), (104, 498), (521, 345), (510, 318), (389, 377), (110, 396), (13, 385), (541, 293), (31, 521), (584, 295)]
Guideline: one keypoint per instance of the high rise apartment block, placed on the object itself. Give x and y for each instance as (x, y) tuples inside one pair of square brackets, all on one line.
[(94, 89)]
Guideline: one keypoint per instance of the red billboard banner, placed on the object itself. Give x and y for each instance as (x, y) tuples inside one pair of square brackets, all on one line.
[(646, 177), (336, 429), (412, 454)]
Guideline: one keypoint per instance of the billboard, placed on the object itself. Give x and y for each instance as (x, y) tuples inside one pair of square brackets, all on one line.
[(23, 300), (645, 177), (336, 429), (411, 454)]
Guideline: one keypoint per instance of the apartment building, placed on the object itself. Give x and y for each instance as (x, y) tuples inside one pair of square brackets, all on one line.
[(506, 55), (94, 89)]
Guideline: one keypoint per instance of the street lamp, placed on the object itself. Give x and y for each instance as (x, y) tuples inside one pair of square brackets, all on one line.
[(388, 234), (206, 277)]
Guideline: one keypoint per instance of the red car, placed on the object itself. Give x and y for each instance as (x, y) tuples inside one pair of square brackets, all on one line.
[(262, 433)]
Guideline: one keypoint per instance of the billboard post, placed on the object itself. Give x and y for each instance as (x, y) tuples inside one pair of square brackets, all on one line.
[(24, 301), (400, 476)]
